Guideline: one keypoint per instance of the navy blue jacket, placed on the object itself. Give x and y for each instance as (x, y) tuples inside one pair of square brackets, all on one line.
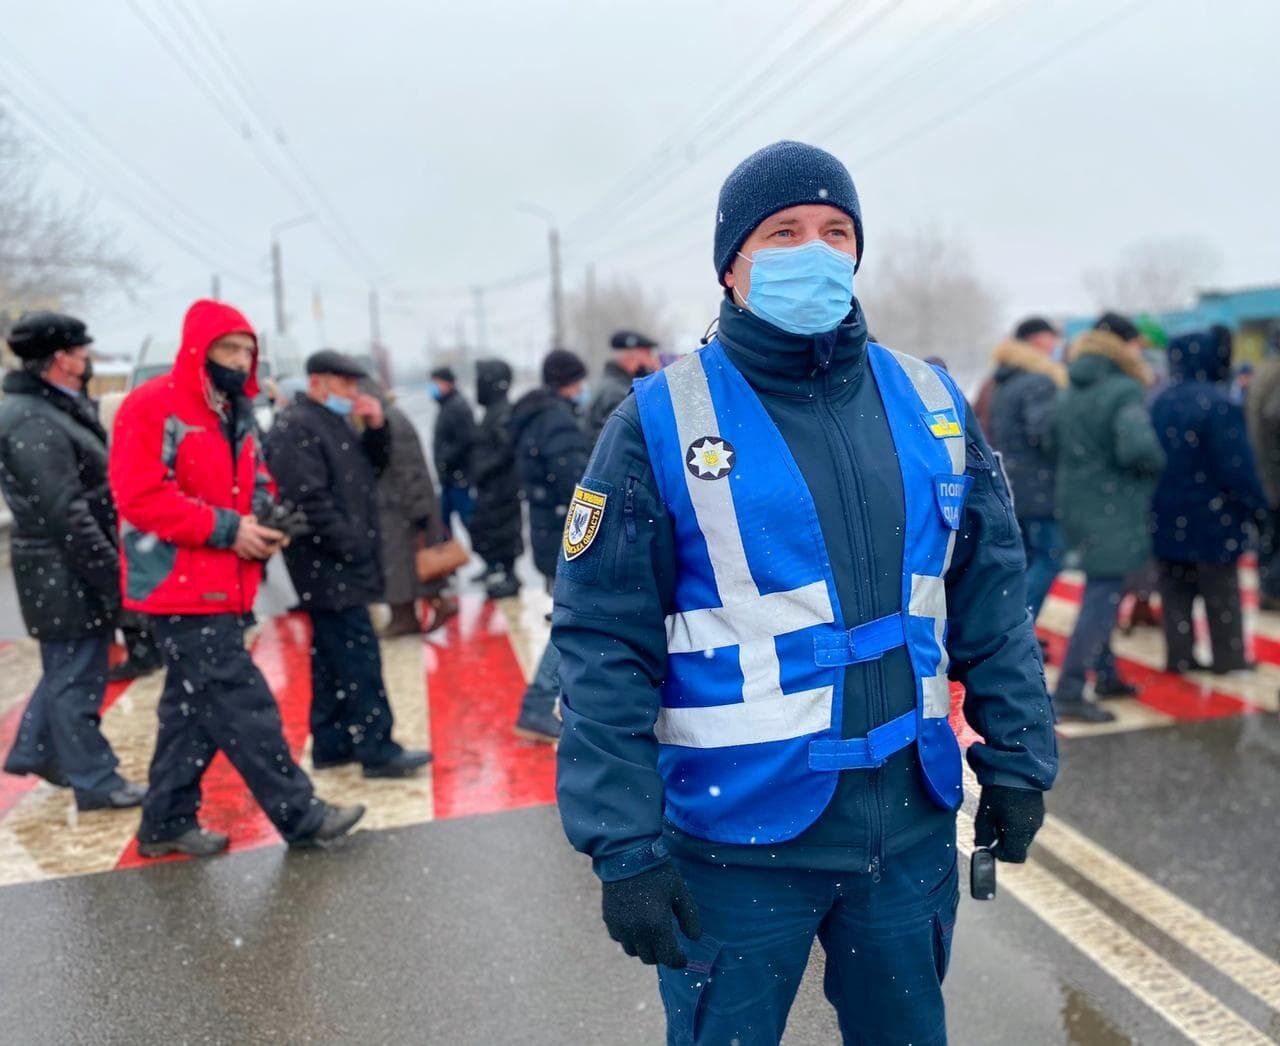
[(610, 604), (1210, 487)]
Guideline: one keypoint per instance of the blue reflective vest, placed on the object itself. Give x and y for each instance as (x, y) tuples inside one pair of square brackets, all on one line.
[(749, 727)]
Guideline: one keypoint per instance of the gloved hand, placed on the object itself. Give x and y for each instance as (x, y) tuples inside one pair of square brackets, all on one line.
[(638, 910), (285, 517), (1010, 818)]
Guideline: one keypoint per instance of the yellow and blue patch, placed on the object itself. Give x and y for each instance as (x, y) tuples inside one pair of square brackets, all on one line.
[(943, 423)]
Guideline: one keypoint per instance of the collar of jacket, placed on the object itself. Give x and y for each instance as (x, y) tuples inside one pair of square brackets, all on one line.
[(79, 408), (615, 370), (800, 365), (1022, 355), (1109, 347)]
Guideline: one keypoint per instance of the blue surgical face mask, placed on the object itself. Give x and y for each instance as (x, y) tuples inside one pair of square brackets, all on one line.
[(436, 393), (584, 395), (340, 405), (803, 290)]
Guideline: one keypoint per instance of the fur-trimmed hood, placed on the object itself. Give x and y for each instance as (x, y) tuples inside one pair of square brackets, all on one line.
[(1014, 354), (1107, 346)]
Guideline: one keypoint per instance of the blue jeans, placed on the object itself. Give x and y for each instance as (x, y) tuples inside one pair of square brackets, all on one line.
[(887, 941), (1090, 646), (1042, 542), (540, 696), (350, 714), (61, 727), (459, 500)]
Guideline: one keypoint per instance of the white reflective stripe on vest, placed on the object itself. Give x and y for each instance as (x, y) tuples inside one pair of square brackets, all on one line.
[(721, 726), (773, 614), (929, 594), (743, 608)]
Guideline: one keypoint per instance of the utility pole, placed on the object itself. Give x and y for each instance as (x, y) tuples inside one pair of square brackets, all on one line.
[(591, 350), (375, 319), (215, 292), (463, 353), (277, 285), (557, 303), (482, 336)]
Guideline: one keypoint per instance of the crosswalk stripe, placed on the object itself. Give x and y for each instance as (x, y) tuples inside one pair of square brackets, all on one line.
[(1189, 1008)]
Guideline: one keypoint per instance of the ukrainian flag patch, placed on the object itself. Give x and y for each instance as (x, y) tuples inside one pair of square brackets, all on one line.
[(943, 423)]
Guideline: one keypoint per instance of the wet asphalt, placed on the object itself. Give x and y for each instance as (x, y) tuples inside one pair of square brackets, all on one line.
[(476, 930)]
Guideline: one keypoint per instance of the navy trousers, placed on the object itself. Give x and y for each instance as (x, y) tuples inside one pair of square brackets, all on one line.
[(61, 731), (1042, 542), (350, 715), (458, 500), (1090, 644), (887, 940), (215, 699)]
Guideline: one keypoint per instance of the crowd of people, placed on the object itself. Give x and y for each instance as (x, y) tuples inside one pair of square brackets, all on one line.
[(1150, 478), (769, 561)]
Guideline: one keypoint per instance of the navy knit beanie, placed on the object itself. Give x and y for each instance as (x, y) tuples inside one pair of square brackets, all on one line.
[(780, 175), (562, 367)]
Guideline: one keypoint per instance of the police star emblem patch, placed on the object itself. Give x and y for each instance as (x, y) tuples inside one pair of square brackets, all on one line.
[(710, 457), (582, 522)]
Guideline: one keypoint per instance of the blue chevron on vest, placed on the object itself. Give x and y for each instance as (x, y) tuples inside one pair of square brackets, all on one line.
[(749, 727)]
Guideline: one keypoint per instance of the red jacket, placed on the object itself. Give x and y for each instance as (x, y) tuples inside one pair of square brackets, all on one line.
[(179, 487)]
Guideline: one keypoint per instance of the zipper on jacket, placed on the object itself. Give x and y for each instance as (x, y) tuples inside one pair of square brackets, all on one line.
[(878, 712), (629, 510)]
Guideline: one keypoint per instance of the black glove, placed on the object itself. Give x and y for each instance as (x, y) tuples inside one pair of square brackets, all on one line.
[(638, 910), (282, 516), (1010, 818)]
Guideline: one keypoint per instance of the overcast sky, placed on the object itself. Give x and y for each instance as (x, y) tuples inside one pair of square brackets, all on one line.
[(426, 126)]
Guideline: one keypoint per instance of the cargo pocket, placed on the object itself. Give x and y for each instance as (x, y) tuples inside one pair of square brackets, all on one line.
[(684, 992)]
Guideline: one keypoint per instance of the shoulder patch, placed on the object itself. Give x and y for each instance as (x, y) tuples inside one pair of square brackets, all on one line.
[(582, 521), (943, 423)]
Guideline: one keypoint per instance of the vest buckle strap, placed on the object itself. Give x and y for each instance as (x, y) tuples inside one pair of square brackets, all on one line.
[(866, 642), (864, 753)]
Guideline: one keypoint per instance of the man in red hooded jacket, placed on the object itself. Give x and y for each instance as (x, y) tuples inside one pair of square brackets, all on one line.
[(187, 476)]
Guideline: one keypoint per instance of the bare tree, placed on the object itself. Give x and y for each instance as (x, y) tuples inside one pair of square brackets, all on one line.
[(923, 297), (1157, 275), (592, 315), (51, 252)]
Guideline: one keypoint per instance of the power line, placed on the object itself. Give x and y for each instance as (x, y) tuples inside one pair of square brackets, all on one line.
[(234, 73)]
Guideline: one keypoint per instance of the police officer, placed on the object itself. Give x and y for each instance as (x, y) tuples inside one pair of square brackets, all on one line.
[(783, 548), (633, 357)]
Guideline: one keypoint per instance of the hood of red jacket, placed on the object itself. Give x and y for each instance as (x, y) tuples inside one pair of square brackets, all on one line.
[(207, 321)]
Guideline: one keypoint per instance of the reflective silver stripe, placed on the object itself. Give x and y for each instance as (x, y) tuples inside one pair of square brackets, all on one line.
[(934, 395), (937, 695), (720, 726), (717, 518), (929, 594), (774, 614)]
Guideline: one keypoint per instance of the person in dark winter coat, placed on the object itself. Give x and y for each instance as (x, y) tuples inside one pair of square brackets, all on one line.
[(189, 483), (453, 445), (551, 452), (408, 518), (1027, 382), (782, 543), (329, 472), (53, 472), (1108, 461), (1262, 410), (495, 528), (1207, 494), (633, 357)]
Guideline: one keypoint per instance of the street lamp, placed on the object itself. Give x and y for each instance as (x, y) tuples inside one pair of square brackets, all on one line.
[(277, 265)]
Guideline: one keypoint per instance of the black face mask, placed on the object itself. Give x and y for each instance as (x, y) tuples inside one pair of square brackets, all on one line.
[(225, 379), (642, 371), (86, 375)]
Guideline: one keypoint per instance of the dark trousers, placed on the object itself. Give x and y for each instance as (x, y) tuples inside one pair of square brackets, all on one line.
[(459, 500), (215, 699), (350, 715), (1042, 542), (1269, 554), (1090, 645), (887, 944), (61, 728), (1218, 584)]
